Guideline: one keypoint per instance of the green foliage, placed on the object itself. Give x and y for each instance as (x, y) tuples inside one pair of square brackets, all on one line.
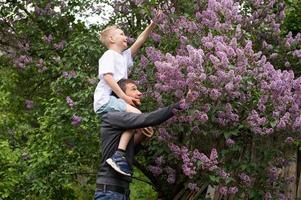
[(292, 20), (10, 168), (140, 189)]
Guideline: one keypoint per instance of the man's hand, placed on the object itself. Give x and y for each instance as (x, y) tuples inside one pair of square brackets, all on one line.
[(191, 96), (148, 132), (189, 99)]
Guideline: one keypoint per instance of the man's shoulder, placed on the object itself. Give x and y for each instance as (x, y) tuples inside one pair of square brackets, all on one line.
[(117, 113)]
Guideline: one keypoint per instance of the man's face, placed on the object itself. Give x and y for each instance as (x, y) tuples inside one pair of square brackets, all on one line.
[(132, 91)]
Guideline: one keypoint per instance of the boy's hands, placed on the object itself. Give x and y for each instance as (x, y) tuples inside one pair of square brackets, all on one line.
[(132, 101), (157, 17)]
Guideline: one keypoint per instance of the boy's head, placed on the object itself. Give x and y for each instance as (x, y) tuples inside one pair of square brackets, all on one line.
[(113, 37)]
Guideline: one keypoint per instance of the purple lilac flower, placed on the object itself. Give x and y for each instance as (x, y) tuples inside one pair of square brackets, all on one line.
[(224, 174), (60, 45), (201, 116), (156, 37), (281, 196), (267, 196), (289, 140), (28, 104), (272, 174), (290, 180), (214, 94), (175, 149), (48, 39), (171, 175), (223, 190), (230, 142), (160, 160), (156, 171), (213, 155), (245, 179), (232, 190), (76, 120), (69, 74), (193, 186), (69, 101)]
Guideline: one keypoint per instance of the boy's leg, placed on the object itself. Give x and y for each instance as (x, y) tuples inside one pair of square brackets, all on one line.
[(127, 135), (118, 160)]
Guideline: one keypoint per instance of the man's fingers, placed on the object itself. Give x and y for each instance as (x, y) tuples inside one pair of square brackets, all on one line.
[(149, 132)]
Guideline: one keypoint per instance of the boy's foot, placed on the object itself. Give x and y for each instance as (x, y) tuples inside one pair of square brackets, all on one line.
[(118, 163)]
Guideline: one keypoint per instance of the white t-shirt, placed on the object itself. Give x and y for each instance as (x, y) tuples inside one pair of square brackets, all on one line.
[(116, 64)]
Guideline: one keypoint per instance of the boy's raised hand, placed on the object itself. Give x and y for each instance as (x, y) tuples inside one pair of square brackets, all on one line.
[(158, 16)]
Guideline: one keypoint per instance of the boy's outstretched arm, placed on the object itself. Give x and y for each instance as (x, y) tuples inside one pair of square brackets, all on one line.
[(142, 38)]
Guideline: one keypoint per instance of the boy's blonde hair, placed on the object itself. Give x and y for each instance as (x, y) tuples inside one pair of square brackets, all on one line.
[(105, 33)]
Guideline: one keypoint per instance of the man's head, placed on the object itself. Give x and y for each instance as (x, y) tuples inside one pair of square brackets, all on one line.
[(113, 36), (129, 87)]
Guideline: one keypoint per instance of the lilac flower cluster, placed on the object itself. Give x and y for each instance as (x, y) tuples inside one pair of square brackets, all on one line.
[(76, 120), (193, 186), (29, 104), (171, 175), (70, 102), (206, 163), (273, 174), (41, 65), (160, 169), (220, 15), (48, 10), (60, 45), (164, 135), (48, 39), (245, 179), (188, 166), (155, 170), (22, 61), (69, 74), (224, 190), (230, 142)]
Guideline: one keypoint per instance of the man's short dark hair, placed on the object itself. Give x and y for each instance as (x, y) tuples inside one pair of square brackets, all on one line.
[(122, 84)]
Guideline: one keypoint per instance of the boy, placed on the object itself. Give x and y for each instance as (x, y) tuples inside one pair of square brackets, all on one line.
[(113, 66)]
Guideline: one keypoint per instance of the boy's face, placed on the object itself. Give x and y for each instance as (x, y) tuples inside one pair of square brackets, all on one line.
[(132, 91), (119, 38)]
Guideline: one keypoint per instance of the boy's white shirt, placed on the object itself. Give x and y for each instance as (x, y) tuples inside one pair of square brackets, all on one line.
[(115, 63)]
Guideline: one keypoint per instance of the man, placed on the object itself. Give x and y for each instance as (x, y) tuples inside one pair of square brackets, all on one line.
[(111, 184)]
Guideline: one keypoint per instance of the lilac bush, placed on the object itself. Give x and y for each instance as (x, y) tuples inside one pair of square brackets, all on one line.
[(224, 55)]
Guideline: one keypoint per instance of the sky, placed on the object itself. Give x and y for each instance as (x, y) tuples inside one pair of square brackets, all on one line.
[(89, 18)]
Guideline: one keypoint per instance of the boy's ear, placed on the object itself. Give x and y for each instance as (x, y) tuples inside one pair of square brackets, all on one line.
[(111, 39)]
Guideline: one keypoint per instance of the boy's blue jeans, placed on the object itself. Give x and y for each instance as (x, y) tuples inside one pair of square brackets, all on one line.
[(109, 195)]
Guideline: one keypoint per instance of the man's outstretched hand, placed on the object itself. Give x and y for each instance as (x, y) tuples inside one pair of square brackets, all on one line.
[(148, 132), (189, 99)]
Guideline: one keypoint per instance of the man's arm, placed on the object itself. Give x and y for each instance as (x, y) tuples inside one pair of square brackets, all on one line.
[(126, 120), (142, 38)]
